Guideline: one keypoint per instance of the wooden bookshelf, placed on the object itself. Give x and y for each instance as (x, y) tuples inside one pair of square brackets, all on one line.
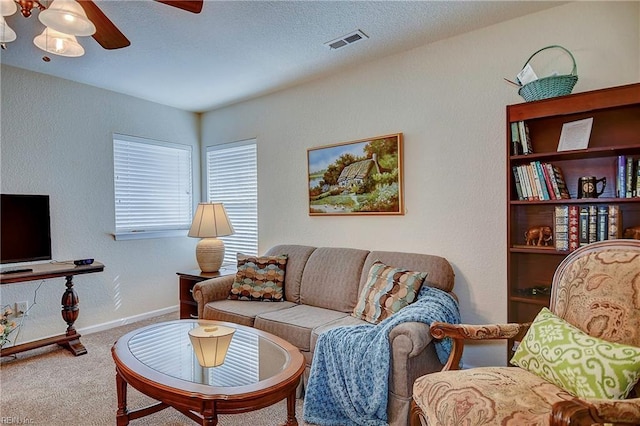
[(615, 131)]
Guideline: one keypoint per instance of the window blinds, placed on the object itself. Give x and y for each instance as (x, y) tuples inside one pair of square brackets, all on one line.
[(232, 179), (153, 187)]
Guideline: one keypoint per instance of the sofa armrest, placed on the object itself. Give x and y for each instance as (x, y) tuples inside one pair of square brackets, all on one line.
[(461, 332), (412, 355), (213, 289), (578, 412), (413, 336)]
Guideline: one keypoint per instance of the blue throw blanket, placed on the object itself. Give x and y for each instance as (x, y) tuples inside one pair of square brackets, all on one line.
[(349, 381)]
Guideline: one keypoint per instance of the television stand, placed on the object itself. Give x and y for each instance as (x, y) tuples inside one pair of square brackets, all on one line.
[(71, 339)]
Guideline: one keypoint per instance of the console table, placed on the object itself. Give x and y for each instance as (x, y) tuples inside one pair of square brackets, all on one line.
[(71, 339)]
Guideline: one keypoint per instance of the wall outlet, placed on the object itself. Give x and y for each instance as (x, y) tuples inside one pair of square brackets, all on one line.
[(21, 308)]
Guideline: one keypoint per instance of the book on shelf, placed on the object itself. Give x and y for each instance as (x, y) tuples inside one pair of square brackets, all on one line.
[(561, 183), (525, 138), (630, 181), (554, 182), (593, 224), (584, 225), (621, 176), (574, 227), (614, 222), (603, 222), (561, 228), (544, 191), (628, 177), (516, 145), (516, 177)]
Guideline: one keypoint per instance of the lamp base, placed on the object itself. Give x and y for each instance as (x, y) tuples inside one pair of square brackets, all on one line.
[(210, 254)]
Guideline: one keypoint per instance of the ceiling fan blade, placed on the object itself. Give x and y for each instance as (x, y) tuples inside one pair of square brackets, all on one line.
[(107, 34), (193, 6)]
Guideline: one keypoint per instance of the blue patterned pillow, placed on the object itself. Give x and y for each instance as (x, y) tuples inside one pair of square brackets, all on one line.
[(387, 290)]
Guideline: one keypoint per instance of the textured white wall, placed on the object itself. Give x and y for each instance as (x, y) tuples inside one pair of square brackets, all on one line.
[(449, 99), (57, 140)]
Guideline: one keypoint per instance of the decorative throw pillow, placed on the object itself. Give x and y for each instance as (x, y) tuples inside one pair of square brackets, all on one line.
[(586, 366), (259, 278), (387, 291)]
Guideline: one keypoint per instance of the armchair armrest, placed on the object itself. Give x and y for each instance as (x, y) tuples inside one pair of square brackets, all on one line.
[(461, 332), (213, 289), (579, 412)]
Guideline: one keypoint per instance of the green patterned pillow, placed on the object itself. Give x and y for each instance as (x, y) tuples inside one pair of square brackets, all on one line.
[(583, 365), (259, 278), (387, 291)]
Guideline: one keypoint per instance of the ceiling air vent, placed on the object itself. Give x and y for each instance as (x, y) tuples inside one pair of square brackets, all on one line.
[(345, 40)]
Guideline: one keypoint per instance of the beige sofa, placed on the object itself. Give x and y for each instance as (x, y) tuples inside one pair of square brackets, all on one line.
[(322, 286)]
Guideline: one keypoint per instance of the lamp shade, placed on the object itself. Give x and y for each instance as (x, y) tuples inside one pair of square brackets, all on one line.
[(67, 16), (8, 7), (210, 220), (211, 343), (6, 32), (55, 42)]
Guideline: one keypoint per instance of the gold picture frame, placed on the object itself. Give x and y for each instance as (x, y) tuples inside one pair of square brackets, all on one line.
[(362, 177)]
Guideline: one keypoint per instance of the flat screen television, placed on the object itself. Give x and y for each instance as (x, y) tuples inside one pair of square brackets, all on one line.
[(25, 228)]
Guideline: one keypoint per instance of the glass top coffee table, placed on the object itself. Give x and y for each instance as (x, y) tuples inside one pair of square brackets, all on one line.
[(259, 370)]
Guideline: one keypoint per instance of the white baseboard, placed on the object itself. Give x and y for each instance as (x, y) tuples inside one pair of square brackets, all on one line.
[(128, 320)]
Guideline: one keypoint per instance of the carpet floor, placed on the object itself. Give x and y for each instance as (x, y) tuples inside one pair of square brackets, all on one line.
[(49, 386)]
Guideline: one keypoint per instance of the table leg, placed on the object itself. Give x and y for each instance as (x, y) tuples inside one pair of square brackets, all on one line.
[(291, 409), (122, 415), (70, 311)]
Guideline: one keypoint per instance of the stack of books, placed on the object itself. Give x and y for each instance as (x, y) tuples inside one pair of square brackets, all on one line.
[(579, 225), (628, 177), (539, 181), (520, 139)]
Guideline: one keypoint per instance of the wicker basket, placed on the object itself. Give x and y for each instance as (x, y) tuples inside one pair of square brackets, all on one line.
[(552, 86)]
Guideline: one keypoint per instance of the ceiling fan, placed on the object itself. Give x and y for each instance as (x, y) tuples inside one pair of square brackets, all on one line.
[(106, 33)]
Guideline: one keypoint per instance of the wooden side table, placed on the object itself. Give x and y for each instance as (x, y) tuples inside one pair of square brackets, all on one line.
[(188, 306)]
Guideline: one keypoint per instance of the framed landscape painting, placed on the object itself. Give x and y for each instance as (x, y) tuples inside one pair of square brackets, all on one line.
[(362, 177)]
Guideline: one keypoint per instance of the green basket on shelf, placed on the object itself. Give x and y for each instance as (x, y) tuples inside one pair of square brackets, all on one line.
[(552, 86)]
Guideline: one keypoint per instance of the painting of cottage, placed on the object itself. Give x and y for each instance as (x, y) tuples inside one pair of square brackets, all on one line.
[(360, 177)]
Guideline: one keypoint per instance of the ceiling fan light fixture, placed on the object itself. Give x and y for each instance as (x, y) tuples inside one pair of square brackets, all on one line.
[(8, 7), (58, 43), (67, 16), (6, 32)]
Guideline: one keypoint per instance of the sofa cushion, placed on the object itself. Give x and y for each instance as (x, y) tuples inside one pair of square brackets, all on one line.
[(240, 311), (259, 278), (295, 324), (331, 277), (583, 365), (439, 271), (297, 259), (346, 321), (388, 290)]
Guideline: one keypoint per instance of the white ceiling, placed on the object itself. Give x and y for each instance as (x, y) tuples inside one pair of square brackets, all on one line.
[(236, 50)]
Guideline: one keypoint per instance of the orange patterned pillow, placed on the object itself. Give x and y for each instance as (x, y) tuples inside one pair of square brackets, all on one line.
[(387, 291)]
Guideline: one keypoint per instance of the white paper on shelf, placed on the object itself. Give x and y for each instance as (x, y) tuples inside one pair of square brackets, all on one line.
[(575, 135)]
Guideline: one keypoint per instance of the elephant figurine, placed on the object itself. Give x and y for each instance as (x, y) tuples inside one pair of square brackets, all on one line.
[(632, 232), (539, 236)]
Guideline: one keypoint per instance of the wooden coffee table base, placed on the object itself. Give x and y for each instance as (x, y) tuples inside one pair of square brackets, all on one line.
[(208, 416), (200, 402)]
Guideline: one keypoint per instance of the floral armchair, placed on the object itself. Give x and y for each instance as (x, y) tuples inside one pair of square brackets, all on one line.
[(595, 300)]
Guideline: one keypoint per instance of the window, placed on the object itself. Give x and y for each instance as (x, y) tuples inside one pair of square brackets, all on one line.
[(153, 187), (232, 179)]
